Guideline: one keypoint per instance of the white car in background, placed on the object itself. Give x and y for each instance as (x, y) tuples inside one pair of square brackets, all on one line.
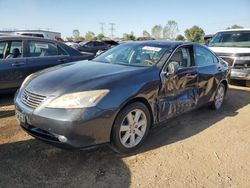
[(32, 34), (234, 47), (73, 44)]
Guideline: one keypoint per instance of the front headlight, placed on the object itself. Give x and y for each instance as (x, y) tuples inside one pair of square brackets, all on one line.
[(243, 58), (79, 100)]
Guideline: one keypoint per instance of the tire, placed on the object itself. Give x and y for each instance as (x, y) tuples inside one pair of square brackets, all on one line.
[(130, 128), (219, 97), (247, 83)]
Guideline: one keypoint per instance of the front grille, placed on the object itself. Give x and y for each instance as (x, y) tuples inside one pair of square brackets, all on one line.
[(242, 64), (31, 99), (229, 60)]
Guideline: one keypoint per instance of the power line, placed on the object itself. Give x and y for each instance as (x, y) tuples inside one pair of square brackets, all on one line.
[(112, 29), (102, 27)]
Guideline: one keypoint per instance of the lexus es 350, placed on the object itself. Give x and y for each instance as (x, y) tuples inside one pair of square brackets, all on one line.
[(118, 96)]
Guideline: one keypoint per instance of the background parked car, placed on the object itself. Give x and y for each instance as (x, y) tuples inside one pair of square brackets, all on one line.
[(32, 34), (21, 56), (110, 44), (73, 44), (234, 47), (92, 46)]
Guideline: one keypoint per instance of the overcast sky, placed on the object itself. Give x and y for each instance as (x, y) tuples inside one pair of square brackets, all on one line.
[(128, 15)]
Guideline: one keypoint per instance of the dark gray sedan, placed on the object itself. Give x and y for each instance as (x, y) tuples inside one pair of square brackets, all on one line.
[(21, 56), (118, 96)]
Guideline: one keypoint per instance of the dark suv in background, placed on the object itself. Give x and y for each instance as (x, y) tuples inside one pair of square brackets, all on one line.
[(92, 47), (20, 56)]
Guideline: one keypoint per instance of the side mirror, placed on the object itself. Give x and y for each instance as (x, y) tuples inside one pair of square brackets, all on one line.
[(172, 68)]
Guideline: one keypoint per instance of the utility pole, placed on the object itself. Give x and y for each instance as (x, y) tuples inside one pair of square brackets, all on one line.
[(102, 27), (112, 29)]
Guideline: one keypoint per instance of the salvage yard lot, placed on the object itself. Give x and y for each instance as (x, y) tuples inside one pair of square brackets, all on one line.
[(202, 148)]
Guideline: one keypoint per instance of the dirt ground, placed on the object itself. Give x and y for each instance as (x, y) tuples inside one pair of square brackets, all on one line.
[(202, 148)]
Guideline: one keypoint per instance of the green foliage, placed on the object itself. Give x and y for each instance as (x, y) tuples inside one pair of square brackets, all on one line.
[(170, 30), (90, 35), (145, 34), (100, 36), (69, 39), (195, 34), (80, 38), (235, 26), (180, 38), (157, 31), (129, 36)]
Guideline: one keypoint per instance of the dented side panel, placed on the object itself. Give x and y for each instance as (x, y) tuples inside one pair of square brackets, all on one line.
[(178, 93), (207, 83)]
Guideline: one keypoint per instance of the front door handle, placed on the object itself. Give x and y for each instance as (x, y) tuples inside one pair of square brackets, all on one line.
[(191, 75), (17, 64), (219, 68)]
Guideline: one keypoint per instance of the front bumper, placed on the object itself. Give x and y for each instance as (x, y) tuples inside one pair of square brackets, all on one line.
[(240, 74), (81, 127)]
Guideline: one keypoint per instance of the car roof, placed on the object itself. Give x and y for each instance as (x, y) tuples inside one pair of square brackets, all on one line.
[(241, 29), (21, 37)]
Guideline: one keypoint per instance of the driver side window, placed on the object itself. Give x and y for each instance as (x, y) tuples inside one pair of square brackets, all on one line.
[(181, 58)]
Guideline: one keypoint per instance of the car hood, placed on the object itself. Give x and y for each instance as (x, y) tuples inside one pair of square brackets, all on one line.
[(78, 76), (229, 50)]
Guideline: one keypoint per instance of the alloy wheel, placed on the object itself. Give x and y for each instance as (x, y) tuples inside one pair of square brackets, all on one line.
[(133, 128), (219, 97)]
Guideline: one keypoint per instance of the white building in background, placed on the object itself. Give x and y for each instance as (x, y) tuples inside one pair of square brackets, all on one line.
[(35, 33)]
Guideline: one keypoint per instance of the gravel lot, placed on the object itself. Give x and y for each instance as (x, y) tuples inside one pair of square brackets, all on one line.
[(202, 148)]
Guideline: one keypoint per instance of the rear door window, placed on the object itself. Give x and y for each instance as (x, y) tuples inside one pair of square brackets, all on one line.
[(89, 44), (44, 49), (97, 44), (204, 57)]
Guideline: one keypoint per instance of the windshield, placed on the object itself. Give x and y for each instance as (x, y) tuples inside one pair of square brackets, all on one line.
[(231, 39), (133, 54)]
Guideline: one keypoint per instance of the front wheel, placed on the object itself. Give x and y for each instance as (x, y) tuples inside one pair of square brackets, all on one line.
[(219, 97), (130, 128)]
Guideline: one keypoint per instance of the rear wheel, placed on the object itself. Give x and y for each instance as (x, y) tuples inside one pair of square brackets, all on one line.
[(219, 97), (248, 83), (130, 128)]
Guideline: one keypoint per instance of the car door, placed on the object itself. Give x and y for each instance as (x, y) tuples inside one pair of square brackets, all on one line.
[(178, 92), (43, 54), (12, 64), (208, 72)]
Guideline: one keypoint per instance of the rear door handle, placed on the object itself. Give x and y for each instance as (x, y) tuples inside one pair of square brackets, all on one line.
[(62, 60), (17, 64)]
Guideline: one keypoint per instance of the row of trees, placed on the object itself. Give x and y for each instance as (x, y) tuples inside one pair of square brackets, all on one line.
[(88, 36), (168, 32)]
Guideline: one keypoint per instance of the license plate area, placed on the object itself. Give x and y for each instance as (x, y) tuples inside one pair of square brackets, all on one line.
[(21, 117)]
